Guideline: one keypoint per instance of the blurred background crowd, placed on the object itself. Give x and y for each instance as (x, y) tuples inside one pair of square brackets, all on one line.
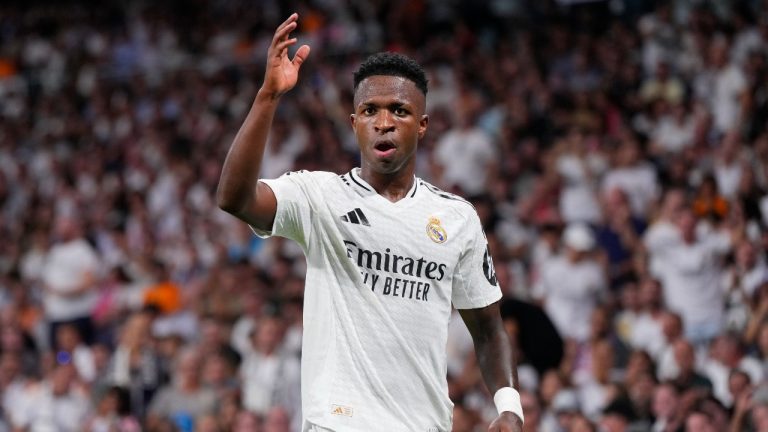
[(616, 151)]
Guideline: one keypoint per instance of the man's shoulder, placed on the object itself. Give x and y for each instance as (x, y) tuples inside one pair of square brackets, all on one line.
[(448, 199), (453, 206), (313, 175), (305, 179)]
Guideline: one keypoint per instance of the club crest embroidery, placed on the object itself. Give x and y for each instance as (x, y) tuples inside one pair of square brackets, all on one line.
[(435, 231)]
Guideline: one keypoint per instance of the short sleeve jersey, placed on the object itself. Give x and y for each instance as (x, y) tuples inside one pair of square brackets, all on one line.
[(381, 279)]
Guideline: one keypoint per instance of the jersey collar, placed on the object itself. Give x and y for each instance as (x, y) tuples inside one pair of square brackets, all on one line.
[(363, 188)]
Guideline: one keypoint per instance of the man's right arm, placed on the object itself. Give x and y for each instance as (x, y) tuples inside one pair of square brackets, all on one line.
[(239, 192)]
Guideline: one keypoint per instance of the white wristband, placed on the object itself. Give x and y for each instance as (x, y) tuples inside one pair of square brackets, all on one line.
[(508, 399)]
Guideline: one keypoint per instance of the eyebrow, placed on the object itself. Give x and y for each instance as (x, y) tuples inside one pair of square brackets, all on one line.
[(395, 104)]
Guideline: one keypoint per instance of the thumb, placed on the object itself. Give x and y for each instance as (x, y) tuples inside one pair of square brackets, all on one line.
[(301, 54)]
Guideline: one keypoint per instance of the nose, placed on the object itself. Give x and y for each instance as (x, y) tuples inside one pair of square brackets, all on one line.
[(384, 122)]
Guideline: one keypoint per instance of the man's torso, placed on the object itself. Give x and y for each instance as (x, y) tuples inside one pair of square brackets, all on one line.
[(380, 283)]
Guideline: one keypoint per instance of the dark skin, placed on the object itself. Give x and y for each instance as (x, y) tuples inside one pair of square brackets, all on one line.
[(388, 122), (389, 115), (494, 357)]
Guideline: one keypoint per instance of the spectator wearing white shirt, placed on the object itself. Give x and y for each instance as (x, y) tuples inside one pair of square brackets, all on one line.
[(647, 332), (578, 170), (135, 363), (70, 275), (674, 132), (747, 36), (658, 32), (544, 249), (692, 279), (727, 354), (745, 276), (286, 142), (571, 284), (729, 164), (634, 176), (252, 312), (270, 377), (597, 389), (629, 311), (466, 154), (663, 233), (725, 87), (672, 331), (13, 384), (55, 404)]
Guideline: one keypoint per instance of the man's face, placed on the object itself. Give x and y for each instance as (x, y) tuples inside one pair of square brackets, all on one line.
[(684, 355), (388, 122)]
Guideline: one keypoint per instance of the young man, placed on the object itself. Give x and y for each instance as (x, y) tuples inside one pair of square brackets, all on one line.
[(387, 255)]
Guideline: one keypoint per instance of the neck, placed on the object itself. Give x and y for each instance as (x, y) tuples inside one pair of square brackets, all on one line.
[(392, 186)]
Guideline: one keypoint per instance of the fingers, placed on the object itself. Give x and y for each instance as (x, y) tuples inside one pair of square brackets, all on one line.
[(285, 44), (301, 54), (291, 19), (284, 29)]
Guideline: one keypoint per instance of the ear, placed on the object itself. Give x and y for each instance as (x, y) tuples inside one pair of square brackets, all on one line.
[(423, 125), (352, 121)]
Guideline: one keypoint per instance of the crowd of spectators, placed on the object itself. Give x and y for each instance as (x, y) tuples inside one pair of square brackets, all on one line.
[(616, 151)]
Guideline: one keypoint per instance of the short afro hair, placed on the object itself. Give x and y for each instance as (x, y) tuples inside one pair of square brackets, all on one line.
[(391, 64)]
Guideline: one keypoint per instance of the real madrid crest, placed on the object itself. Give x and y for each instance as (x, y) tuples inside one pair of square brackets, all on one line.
[(435, 231)]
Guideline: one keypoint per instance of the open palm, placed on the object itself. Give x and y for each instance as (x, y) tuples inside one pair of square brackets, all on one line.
[(282, 72)]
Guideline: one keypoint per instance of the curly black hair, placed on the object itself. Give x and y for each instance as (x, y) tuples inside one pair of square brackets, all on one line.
[(392, 64)]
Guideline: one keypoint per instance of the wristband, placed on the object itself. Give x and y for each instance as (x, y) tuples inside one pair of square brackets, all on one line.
[(508, 399)]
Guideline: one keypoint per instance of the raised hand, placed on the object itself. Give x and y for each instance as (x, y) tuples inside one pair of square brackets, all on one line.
[(282, 73)]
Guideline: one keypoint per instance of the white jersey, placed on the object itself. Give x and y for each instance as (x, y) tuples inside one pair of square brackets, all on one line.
[(381, 277)]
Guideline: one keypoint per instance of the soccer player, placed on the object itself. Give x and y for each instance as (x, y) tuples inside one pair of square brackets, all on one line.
[(387, 256)]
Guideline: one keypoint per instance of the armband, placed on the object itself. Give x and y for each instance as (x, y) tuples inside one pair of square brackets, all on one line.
[(508, 399)]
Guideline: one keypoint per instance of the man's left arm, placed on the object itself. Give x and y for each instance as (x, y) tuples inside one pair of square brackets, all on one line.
[(494, 357)]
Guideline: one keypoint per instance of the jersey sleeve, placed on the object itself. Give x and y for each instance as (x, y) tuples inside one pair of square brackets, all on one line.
[(292, 217), (474, 280)]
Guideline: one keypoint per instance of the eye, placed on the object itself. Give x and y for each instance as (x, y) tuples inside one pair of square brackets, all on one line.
[(369, 110), (399, 111)]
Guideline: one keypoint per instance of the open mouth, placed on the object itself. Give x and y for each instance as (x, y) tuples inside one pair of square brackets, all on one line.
[(384, 148)]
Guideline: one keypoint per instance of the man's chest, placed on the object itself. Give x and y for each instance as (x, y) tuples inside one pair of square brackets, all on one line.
[(406, 251), (418, 231)]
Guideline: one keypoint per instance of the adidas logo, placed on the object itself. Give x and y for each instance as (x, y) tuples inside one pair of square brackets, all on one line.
[(341, 410), (356, 216)]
